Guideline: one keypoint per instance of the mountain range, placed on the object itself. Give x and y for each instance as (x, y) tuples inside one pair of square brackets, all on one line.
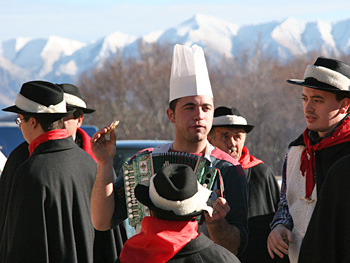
[(58, 59)]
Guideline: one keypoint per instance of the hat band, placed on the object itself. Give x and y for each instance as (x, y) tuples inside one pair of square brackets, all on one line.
[(28, 105), (327, 76), (74, 100), (182, 208), (229, 120)]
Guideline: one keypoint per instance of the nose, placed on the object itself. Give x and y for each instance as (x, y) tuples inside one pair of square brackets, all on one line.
[(308, 106), (231, 142), (198, 114)]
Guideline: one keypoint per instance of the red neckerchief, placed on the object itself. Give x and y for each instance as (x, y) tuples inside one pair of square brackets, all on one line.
[(247, 160), (307, 166), (86, 143), (158, 241), (47, 136)]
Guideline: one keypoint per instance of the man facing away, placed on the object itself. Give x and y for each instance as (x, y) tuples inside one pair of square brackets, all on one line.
[(74, 121), (47, 218), (325, 96), (229, 133), (191, 111), (107, 244), (175, 198)]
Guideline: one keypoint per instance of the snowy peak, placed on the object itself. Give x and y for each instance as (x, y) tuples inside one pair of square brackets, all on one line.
[(59, 59)]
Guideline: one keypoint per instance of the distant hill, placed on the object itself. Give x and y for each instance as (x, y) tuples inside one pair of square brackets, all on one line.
[(59, 59)]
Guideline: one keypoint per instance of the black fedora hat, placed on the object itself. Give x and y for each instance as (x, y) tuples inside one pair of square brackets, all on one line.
[(230, 117), (40, 98), (174, 193), (326, 74), (73, 97)]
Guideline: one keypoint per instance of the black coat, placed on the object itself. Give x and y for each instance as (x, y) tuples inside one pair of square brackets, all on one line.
[(202, 250), (263, 201), (15, 159), (327, 238), (48, 216)]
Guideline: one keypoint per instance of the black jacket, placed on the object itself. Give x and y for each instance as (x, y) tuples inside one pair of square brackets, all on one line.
[(327, 238), (48, 216)]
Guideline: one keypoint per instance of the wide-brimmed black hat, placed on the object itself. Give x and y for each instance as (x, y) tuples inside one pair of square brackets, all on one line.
[(41, 98), (230, 117), (73, 97), (174, 193), (326, 74)]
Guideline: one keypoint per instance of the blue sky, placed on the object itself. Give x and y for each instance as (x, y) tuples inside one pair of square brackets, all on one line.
[(87, 20)]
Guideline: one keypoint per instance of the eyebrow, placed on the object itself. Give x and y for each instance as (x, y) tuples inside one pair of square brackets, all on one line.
[(315, 96)]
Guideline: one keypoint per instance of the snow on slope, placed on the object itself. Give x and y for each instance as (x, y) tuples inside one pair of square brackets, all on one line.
[(59, 59)]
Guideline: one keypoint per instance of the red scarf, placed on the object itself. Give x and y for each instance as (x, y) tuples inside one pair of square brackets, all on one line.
[(158, 241), (247, 160), (86, 143), (307, 166), (47, 136)]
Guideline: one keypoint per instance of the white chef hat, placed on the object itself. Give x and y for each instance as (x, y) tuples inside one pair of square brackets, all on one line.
[(189, 73)]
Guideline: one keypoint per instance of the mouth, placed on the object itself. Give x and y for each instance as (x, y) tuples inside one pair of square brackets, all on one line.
[(310, 118), (198, 127)]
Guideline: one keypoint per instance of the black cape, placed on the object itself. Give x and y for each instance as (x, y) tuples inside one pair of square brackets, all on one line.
[(15, 159), (327, 238), (48, 215), (107, 244), (263, 201)]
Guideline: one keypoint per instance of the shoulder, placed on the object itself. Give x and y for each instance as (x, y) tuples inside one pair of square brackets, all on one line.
[(262, 168), (221, 155), (298, 141), (224, 161)]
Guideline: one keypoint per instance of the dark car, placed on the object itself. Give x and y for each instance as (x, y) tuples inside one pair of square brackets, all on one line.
[(11, 136)]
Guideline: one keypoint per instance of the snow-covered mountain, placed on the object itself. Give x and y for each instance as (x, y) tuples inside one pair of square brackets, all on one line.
[(62, 60)]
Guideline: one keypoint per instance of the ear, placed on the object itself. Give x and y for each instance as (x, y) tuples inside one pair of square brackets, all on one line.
[(33, 122), (345, 104), (80, 121), (171, 115)]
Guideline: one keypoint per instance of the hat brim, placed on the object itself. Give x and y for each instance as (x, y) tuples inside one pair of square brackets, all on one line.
[(142, 194), (316, 85), (15, 109), (85, 110), (247, 128)]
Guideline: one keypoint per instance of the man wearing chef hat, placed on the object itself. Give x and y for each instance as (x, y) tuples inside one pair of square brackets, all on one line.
[(191, 109)]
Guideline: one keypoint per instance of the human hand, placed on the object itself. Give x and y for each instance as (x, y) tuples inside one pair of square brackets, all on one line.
[(103, 149), (278, 240), (221, 208)]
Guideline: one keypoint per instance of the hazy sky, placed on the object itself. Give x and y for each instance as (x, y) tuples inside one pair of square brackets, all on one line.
[(87, 20)]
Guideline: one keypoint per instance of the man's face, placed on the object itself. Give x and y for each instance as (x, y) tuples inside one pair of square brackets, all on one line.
[(321, 110), (193, 118), (230, 140), (72, 124)]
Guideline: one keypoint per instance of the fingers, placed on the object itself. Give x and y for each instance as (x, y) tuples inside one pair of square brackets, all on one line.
[(276, 243), (221, 208)]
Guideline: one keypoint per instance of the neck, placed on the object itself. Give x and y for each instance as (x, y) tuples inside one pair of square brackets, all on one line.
[(198, 147)]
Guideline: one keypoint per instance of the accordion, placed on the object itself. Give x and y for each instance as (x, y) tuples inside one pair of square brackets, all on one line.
[(145, 165)]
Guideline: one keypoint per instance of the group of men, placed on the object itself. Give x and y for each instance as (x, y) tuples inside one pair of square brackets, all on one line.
[(57, 187)]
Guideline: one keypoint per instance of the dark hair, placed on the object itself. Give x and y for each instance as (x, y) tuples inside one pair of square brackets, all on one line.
[(342, 95), (77, 113), (172, 104), (46, 123)]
